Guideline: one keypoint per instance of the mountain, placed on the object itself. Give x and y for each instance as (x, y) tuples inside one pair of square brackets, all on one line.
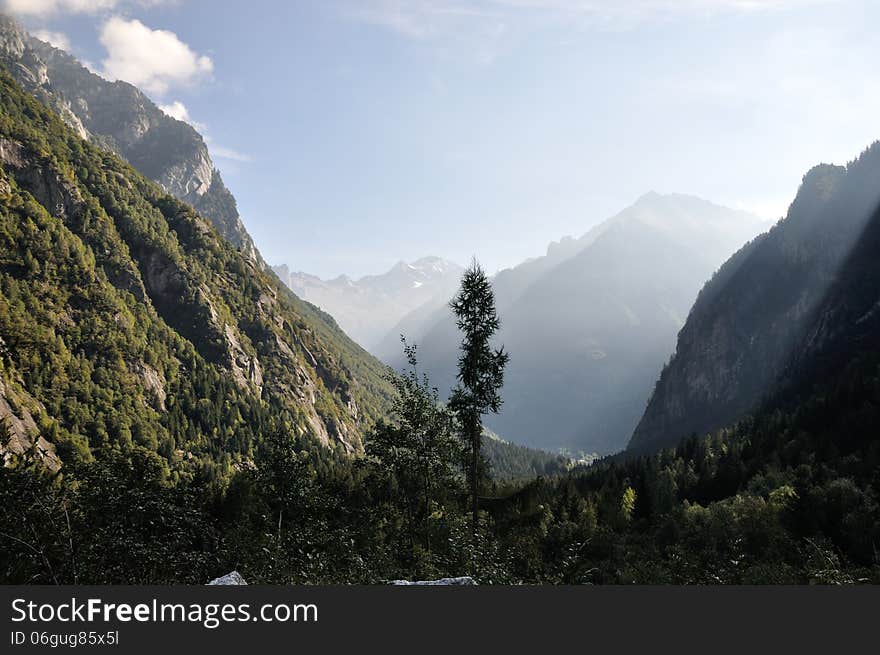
[(590, 324), (768, 307), (507, 283), (126, 319), (369, 307), (119, 117)]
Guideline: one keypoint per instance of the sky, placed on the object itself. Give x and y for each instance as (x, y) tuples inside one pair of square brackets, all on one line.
[(358, 133)]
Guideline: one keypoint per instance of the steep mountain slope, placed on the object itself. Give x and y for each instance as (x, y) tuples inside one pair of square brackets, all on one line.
[(128, 319), (589, 326), (367, 308), (750, 321), (118, 117)]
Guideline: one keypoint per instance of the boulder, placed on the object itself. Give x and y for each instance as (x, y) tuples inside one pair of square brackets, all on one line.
[(233, 578), (465, 581)]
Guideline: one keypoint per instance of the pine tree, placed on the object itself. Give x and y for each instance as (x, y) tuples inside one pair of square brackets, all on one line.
[(480, 369)]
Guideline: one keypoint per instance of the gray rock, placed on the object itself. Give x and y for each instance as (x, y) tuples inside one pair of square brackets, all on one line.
[(233, 578), (464, 581)]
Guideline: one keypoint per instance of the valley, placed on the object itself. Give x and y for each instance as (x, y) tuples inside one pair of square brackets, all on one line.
[(686, 393)]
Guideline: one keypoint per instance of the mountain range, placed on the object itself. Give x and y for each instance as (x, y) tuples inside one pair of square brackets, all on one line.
[(590, 324), (368, 308)]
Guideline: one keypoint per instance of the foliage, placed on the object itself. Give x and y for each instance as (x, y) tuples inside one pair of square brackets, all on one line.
[(415, 460)]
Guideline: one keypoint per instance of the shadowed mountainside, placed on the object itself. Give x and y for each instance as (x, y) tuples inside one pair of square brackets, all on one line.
[(750, 321)]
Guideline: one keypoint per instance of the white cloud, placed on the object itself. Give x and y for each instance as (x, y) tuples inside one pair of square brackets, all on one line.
[(421, 19), (483, 31), (45, 8), (179, 111), (647, 7), (222, 152), (48, 7), (55, 39), (154, 60)]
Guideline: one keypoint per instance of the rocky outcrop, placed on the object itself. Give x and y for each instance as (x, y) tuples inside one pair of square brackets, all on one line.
[(21, 432), (61, 198), (233, 578), (464, 581), (245, 368), (154, 382), (57, 195), (750, 321), (118, 116)]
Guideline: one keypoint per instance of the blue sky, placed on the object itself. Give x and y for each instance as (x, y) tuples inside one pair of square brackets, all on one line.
[(358, 133)]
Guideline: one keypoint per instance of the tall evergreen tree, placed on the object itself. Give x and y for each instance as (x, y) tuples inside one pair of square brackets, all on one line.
[(480, 368)]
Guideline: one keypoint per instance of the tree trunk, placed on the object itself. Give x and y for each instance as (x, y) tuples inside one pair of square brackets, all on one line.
[(475, 453), (427, 509)]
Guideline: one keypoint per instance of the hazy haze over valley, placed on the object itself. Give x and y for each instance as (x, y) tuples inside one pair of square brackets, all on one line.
[(590, 324)]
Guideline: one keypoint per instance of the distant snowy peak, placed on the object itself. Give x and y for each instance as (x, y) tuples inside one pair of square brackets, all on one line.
[(422, 270), (366, 308), (436, 265), (426, 267)]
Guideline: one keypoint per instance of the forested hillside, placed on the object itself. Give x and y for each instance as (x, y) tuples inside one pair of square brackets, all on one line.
[(127, 320)]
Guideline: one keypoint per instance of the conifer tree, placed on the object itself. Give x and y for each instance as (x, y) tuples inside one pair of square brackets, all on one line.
[(480, 369)]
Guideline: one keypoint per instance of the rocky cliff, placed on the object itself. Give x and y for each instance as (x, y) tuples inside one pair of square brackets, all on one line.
[(19, 432)]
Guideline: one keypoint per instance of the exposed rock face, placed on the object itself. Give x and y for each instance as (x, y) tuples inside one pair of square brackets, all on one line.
[(245, 369), (49, 189), (233, 578), (153, 381), (751, 320), (118, 116), (21, 431), (464, 581)]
